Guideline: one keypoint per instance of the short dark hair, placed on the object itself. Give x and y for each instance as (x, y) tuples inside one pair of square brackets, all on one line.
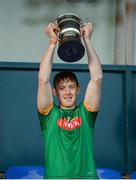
[(63, 75)]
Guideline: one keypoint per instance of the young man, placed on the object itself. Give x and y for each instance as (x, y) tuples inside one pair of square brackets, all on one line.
[(67, 128)]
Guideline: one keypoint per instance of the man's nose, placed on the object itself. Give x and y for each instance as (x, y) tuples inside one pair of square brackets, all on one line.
[(67, 90)]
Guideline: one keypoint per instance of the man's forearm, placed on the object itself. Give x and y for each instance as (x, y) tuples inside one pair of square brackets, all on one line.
[(93, 61), (46, 63)]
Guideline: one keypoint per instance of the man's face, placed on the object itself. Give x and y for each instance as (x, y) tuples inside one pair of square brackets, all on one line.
[(66, 91)]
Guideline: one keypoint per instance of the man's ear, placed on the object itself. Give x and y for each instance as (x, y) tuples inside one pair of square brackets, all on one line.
[(78, 90), (54, 92)]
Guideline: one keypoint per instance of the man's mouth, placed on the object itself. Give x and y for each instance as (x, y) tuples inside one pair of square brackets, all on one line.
[(68, 98)]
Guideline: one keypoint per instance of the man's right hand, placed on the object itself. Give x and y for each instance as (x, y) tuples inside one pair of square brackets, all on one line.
[(52, 31)]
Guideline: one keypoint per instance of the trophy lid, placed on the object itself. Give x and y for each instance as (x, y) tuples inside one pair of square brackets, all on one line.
[(69, 16)]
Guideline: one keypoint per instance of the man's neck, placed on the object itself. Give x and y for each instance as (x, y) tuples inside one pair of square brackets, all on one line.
[(63, 107)]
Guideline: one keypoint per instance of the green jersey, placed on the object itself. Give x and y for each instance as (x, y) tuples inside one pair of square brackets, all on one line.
[(68, 138)]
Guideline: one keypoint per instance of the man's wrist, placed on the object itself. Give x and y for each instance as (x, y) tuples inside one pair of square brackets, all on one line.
[(53, 41), (86, 39)]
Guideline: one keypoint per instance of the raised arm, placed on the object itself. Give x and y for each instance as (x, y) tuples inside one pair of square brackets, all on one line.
[(93, 91), (44, 96)]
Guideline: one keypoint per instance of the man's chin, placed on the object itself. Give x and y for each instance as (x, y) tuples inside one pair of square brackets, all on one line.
[(67, 105)]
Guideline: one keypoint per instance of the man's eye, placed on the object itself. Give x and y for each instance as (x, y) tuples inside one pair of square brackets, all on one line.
[(61, 88)]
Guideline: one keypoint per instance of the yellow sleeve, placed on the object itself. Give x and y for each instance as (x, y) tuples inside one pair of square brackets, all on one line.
[(89, 108), (48, 109)]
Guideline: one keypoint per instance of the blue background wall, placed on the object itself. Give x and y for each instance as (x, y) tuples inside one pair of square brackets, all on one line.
[(20, 135)]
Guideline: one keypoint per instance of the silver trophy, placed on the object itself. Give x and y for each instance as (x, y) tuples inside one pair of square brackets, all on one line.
[(70, 47)]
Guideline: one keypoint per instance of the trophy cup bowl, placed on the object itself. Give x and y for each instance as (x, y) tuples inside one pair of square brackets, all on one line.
[(70, 46)]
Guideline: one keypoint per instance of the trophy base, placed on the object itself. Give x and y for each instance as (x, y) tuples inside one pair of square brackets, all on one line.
[(71, 51)]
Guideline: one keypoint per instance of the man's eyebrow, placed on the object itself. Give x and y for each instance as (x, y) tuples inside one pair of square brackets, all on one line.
[(72, 83), (61, 85)]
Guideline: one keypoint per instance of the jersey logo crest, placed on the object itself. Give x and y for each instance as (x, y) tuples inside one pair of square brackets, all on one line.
[(69, 125)]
